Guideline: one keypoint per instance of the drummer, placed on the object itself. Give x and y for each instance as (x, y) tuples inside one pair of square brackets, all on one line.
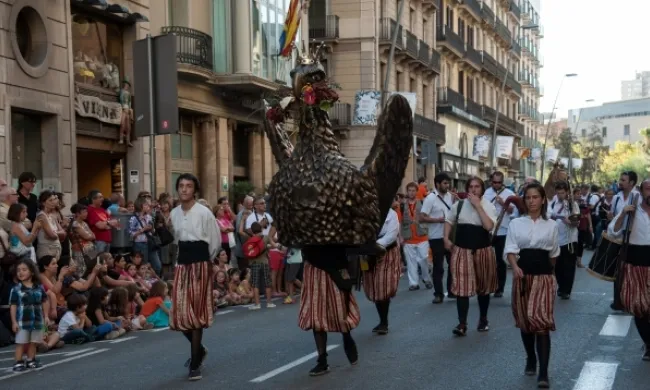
[(635, 288), (531, 249), (559, 210)]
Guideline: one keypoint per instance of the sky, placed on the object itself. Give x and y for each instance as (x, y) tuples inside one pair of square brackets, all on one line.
[(604, 42)]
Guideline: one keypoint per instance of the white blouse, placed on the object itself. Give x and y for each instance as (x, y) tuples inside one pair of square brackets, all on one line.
[(524, 233), (469, 215), (390, 230), (197, 224), (566, 234), (640, 234)]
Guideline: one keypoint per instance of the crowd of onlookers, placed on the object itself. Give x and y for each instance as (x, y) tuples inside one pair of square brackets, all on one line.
[(63, 281)]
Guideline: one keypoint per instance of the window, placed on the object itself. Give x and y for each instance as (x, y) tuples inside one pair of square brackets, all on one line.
[(425, 99), (98, 52), (398, 79), (626, 130), (584, 133), (412, 85), (182, 142), (604, 131)]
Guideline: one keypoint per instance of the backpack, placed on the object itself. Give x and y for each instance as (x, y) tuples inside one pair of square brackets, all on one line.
[(254, 247)]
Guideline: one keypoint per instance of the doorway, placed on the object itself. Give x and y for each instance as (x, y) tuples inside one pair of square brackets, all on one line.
[(98, 170)]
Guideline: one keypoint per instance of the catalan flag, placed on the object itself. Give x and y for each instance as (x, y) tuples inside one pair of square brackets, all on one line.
[(291, 25)]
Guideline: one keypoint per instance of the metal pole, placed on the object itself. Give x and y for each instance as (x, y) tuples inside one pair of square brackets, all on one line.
[(152, 118), (496, 119), (570, 162), (391, 54), (548, 128)]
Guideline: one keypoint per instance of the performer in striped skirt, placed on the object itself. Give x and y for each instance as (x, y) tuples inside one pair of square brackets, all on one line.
[(381, 280), (473, 263), (532, 250), (198, 238), (635, 284), (326, 301)]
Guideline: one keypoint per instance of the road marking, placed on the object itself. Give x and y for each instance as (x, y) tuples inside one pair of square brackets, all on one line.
[(289, 366), (44, 355), (596, 376), (158, 329), (54, 364), (220, 313), (6, 351), (117, 341), (616, 326)]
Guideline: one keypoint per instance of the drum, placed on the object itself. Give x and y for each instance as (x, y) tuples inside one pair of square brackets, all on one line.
[(603, 262)]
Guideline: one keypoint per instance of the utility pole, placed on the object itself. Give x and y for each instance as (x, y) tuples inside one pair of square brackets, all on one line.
[(391, 54)]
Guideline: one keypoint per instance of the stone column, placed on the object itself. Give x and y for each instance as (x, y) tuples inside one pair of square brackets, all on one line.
[(208, 160), (223, 155), (242, 39), (256, 160), (267, 162)]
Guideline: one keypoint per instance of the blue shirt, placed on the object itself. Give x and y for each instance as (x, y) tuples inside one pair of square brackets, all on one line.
[(113, 209), (137, 223), (29, 302)]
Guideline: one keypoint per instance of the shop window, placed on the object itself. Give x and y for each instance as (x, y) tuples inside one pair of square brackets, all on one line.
[(182, 142), (26, 153), (98, 52)]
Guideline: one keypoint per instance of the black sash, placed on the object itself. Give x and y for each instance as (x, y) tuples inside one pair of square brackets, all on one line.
[(472, 237), (190, 252), (535, 262), (638, 255)]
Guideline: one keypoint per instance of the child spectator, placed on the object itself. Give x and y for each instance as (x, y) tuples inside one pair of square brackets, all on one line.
[(130, 207), (141, 277), (294, 262), (138, 321), (20, 239), (156, 309), (136, 258), (75, 327), (118, 306), (244, 289), (28, 307), (222, 263), (233, 288), (95, 312), (51, 339), (256, 248), (132, 271), (220, 290)]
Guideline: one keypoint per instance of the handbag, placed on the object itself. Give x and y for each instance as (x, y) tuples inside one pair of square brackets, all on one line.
[(153, 241), (231, 240), (164, 235), (455, 225)]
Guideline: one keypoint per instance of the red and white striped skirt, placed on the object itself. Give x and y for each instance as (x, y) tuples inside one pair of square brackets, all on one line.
[(381, 283), (533, 300), (473, 273), (192, 297), (635, 290), (323, 307)]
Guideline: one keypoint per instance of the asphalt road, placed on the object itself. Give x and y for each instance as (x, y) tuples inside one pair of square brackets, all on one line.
[(592, 349)]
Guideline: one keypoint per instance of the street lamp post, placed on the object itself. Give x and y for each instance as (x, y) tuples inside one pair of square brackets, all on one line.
[(499, 98), (548, 126), (570, 162)]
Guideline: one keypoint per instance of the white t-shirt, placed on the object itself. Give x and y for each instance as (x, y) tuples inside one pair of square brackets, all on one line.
[(436, 208), (491, 195), (255, 217), (68, 320), (469, 215)]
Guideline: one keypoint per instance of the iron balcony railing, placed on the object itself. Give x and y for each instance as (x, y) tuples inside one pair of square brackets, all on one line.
[(473, 108), (519, 129), (448, 36), (516, 48), (193, 47), (411, 44), (513, 84), (525, 77), (473, 6), (423, 53), (503, 31), (340, 114), (487, 14), (489, 113), (388, 27), (473, 56), (435, 61), (514, 9), (428, 128), (449, 97), (490, 65), (324, 27)]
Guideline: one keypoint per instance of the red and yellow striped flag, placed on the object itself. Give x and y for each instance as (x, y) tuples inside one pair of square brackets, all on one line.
[(291, 25)]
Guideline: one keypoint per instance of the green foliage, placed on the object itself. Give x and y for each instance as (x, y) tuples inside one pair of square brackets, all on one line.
[(239, 189), (625, 156)]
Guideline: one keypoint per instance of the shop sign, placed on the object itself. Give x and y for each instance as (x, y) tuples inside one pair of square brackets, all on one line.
[(94, 107)]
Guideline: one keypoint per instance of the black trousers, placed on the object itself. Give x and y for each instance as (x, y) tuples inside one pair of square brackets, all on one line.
[(499, 244), (565, 269), (439, 253)]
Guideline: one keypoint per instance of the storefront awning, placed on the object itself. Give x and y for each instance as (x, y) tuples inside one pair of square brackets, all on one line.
[(115, 12)]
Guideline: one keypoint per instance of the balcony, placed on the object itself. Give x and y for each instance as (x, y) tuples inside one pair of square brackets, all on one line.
[(516, 48), (487, 14), (387, 28), (193, 47), (514, 9), (519, 129), (423, 53), (449, 40), (489, 113), (472, 7), (324, 28), (506, 124), (435, 61), (472, 57), (411, 44), (490, 65), (525, 78), (429, 129), (340, 115), (503, 32), (513, 84), (449, 97), (473, 108)]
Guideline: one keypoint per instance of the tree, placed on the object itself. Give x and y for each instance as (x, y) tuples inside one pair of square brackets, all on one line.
[(624, 157), (565, 142), (591, 151)]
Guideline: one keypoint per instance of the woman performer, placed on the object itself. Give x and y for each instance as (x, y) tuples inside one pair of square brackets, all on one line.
[(635, 290), (380, 282), (326, 301), (532, 248), (199, 240), (473, 263)]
